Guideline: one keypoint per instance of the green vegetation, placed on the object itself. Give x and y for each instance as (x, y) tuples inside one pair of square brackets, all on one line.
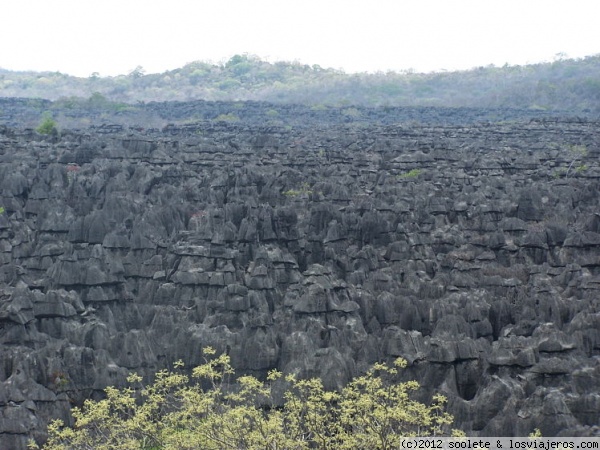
[(96, 101), (206, 411), (305, 189), (535, 434), (574, 153), (578, 150), (47, 126), (2, 209), (411, 174), (59, 379), (564, 84), (229, 117)]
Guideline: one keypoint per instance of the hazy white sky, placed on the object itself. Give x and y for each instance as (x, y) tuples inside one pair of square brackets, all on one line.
[(114, 36)]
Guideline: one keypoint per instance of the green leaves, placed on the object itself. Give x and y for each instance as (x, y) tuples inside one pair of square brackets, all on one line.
[(47, 126), (208, 411), (411, 174)]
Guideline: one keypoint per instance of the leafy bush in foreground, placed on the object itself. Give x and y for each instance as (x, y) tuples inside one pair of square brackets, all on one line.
[(207, 411)]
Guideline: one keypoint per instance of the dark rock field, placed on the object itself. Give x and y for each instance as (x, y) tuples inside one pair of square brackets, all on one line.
[(465, 241)]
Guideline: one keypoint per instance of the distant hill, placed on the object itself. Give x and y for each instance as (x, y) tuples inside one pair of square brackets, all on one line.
[(566, 84)]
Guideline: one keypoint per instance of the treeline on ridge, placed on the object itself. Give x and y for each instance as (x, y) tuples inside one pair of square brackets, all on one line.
[(565, 84)]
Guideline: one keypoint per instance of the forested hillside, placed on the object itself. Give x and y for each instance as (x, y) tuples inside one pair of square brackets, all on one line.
[(565, 84)]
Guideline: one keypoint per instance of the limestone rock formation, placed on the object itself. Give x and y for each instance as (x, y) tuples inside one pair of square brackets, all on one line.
[(472, 249)]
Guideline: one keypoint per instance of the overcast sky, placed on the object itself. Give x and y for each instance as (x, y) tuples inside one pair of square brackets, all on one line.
[(112, 37)]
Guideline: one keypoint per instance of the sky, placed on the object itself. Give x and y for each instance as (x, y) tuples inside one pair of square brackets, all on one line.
[(113, 37)]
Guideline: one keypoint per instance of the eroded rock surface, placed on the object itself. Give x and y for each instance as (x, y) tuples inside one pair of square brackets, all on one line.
[(471, 250)]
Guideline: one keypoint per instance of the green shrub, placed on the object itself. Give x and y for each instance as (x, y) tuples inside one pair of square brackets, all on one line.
[(228, 84), (305, 189), (175, 412), (230, 117), (411, 174), (577, 152), (47, 126)]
